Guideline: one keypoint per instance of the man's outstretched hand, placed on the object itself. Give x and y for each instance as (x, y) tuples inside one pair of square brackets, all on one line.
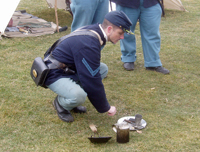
[(112, 111)]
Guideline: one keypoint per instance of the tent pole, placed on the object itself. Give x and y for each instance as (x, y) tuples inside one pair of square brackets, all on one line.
[(56, 15)]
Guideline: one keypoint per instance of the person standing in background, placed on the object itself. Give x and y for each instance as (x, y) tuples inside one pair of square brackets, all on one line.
[(88, 12), (148, 12)]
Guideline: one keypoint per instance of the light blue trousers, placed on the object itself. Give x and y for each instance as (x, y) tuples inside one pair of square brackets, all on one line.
[(149, 20), (87, 12), (70, 94)]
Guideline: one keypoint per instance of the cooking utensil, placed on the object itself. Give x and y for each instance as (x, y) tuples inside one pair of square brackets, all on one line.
[(138, 119), (98, 139), (122, 132), (134, 125), (131, 122)]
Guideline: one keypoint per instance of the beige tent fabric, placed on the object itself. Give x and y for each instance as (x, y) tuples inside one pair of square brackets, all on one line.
[(60, 4), (168, 4), (174, 4)]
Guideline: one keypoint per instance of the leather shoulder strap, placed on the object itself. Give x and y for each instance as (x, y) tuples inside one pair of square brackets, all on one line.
[(75, 33)]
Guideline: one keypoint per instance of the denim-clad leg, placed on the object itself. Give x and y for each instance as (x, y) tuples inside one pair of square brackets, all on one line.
[(149, 20), (128, 44), (150, 35), (87, 12), (103, 70), (101, 11), (70, 94)]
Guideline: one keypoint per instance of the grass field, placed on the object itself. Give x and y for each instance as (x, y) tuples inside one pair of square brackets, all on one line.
[(170, 104)]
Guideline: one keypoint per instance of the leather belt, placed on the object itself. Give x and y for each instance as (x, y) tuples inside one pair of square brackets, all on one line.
[(57, 65)]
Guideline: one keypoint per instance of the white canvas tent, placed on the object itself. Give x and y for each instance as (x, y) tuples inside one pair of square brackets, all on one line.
[(9, 6), (7, 9)]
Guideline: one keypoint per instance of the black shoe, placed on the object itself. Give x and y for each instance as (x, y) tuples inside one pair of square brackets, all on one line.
[(158, 69), (63, 114), (129, 66), (79, 109)]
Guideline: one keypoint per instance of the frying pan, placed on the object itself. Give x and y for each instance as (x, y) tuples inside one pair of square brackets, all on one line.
[(98, 139)]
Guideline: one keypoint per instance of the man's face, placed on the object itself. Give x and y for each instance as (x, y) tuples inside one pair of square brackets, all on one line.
[(116, 34)]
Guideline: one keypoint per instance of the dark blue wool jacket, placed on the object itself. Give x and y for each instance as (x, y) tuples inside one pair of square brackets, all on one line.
[(135, 3), (83, 53)]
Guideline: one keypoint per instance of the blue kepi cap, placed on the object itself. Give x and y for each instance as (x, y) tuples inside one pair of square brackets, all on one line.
[(120, 19)]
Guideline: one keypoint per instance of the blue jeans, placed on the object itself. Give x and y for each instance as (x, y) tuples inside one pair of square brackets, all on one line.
[(70, 94), (87, 12), (149, 20)]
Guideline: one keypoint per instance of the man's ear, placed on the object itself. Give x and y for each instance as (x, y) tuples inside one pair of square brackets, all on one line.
[(109, 29)]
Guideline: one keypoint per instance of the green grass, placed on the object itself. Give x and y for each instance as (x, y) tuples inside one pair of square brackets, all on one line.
[(169, 103)]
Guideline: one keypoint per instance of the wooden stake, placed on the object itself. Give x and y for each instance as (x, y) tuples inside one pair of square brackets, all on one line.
[(56, 15)]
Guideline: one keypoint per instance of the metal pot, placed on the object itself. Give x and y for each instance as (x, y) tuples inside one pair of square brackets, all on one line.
[(98, 139)]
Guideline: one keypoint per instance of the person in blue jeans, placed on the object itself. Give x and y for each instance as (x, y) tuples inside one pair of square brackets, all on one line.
[(148, 12), (87, 12)]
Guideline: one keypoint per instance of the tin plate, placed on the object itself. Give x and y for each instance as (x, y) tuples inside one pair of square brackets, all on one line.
[(143, 122)]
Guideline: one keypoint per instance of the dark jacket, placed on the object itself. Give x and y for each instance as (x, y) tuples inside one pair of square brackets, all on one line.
[(135, 3), (83, 53)]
